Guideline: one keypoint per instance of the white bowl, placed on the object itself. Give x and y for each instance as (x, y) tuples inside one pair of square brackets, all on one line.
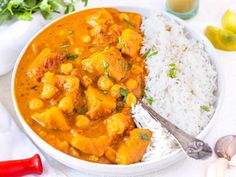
[(122, 170)]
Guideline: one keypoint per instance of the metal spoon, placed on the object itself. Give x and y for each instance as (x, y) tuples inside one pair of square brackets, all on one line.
[(192, 146)]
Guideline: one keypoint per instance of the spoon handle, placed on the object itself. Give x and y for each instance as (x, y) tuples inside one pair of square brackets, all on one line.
[(193, 147), (17, 168)]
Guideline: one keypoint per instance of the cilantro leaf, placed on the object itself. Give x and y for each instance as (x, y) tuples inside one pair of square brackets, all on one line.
[(143, 136), (124, 93), (150, 100), (23, 9), (205, 108), (172, 71)]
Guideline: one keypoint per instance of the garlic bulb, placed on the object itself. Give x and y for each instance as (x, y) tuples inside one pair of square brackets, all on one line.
[(226, 147)]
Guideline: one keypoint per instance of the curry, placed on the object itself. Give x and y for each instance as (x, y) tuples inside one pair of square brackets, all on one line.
[(77, 82)]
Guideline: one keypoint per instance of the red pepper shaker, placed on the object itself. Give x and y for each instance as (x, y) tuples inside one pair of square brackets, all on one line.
[(18, 168)]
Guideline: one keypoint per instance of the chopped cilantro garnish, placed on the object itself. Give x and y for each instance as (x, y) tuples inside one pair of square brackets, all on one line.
[(64, 46), (129, 22), (149, 53), (152, 54), (143, 136), (150, 100), (70, 32), (71, 57), (124, 93), (205, 108), (106, 65), (105, 92), (172, 71)]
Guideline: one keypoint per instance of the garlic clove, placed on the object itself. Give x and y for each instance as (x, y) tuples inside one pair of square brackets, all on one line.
[(218, 168), (226, 147)]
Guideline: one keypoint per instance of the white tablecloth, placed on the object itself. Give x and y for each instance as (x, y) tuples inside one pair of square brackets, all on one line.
[(210, 12)]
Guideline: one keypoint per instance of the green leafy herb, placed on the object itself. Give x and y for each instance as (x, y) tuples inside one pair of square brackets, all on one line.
[(172, 71), (149, 53), (124, 93), (150, 100), (70, 8), (146, 53), (129, 22), (205, 108), (71, 57), (152, 54), (122, 44), (105, 92), (70, 32), (64, 46), (83, 110), (143, 136), (23, 9), (105, 65)]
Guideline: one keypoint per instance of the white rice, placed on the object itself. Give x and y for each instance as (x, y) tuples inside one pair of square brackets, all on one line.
[(178, 99)]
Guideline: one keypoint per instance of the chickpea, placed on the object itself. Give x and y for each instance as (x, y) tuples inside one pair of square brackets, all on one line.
[(86, 38), (104, 83), (86, 81), (131, 100), (36, 104), (136, 69), (66, 68), (66, 104), (131, 84), (115, 90), (48, 91), (82, 121)]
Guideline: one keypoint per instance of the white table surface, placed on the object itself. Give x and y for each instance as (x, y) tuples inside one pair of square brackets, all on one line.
[(210, 12)]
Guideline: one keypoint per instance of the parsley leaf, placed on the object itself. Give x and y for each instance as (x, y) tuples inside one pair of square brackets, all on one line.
[(205, 108)]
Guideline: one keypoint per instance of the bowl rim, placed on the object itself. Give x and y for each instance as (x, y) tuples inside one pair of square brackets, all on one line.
[(86, 165)]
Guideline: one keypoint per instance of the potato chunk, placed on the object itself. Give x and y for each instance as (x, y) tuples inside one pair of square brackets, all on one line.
[(66, 104), (130, 42), (101, 17), (117, 123), (49, 78), (109, 63), (95, 146), (132, 148), (52, 118), (48, 91), (82, 121), (99, 104), (45, 61)]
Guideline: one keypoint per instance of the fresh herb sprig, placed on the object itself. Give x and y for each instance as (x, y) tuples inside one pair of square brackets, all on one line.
[(23, 9)]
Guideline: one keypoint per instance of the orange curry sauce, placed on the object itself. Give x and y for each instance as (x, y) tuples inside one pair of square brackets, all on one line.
[(77, 81)]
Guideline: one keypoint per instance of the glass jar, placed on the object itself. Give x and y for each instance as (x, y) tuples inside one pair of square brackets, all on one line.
[(184, 9)]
